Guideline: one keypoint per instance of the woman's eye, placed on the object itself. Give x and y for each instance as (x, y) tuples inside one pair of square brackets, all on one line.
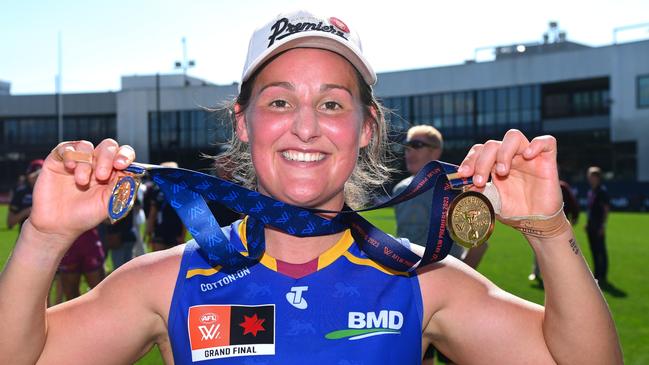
[(331, 105), (279, 103)]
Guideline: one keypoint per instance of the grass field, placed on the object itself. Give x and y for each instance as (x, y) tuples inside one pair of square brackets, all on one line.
[(508, 261)]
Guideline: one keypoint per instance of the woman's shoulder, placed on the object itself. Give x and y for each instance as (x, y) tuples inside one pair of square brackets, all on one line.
[(450, 283), (152, 277), (162, 264)]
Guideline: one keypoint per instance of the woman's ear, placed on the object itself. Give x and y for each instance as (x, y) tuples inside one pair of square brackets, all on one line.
[(240, 118), (367, 128)]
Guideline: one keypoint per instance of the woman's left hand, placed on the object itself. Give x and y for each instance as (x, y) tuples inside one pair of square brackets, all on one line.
[(524, 172)]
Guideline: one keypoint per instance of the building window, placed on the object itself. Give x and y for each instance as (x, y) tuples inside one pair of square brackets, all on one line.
[(30, 132), (485, 107), (514, 105), (187, 130), (422, 109), (501, 106), (576, 98), (447, 106), (437, 110), (91, 128), (399, 106), (643, 91)]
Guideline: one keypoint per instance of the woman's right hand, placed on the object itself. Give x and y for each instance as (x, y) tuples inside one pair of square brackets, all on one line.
[(70, 196)]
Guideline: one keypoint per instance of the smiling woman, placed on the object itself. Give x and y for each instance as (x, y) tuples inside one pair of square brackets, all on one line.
[(310, 133), (359, 102), (314, 117)]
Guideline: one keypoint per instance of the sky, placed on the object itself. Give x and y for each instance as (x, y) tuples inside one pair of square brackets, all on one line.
[(104, 40)]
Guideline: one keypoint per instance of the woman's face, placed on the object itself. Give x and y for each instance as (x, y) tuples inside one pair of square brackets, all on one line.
[(305, 125)]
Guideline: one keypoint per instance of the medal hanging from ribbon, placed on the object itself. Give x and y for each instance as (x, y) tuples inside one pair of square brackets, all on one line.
[(468, 216)]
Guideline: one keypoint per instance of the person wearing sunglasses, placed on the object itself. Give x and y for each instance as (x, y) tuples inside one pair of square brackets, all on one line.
[(424, 143)]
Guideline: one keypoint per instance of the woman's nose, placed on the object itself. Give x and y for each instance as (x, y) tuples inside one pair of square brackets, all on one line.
[(305, 124)]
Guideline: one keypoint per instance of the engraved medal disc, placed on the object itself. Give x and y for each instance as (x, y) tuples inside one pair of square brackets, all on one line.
[(122, 199), (471, 219)]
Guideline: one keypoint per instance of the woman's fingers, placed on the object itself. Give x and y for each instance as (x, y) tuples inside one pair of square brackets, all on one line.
[(532, 164), (467, 165), (111, 156), (104, 155), (514, 143), (67, 153), (483, 159), (125, 156), (542, 144), (485, 162), (81, 158)]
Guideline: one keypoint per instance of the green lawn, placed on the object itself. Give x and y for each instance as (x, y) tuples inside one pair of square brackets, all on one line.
[(508, 261)]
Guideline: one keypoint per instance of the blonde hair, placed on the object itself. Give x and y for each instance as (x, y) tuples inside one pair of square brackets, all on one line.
[(431, 133)]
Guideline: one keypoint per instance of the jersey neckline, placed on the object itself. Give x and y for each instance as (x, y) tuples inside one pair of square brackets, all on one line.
[(300, 270)]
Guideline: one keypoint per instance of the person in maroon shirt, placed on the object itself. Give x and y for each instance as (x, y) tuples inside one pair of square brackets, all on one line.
[(20, 205), (85, 257)]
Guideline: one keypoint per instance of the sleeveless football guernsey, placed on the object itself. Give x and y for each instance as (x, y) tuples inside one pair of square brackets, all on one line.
[(341, 308)]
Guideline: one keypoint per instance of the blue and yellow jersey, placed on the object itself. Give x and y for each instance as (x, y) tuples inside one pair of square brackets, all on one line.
[(341, 308)]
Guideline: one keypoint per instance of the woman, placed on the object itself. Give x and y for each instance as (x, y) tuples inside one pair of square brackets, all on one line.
[(306, 112)]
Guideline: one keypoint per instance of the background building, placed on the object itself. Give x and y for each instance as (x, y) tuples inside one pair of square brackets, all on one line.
[(594, 100)]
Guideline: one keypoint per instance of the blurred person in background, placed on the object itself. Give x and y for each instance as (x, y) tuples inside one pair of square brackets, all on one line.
[(598, 208), (20, 205), (21, 180), (424, 143), (84, 258), (139, 222), (120, 238)]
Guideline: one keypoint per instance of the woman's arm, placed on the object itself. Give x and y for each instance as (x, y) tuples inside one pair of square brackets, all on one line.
[(69, 198), (577, 326), (479, 322)]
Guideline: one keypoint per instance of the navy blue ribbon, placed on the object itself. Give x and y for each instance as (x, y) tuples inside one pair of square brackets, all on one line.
[(187, 191)]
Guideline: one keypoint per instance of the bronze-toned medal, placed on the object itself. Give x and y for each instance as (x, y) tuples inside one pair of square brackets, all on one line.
[(123, 196), (470, 219)]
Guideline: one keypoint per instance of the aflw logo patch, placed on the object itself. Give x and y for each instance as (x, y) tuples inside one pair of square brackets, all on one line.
[(217, 331)]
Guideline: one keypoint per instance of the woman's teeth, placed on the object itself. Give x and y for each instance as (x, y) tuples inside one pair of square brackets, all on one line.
[(302, 156)]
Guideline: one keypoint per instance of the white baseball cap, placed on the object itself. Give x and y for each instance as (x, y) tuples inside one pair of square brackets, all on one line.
[(301, 29)]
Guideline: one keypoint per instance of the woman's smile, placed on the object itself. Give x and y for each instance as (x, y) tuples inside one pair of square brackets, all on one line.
[(301, 156)]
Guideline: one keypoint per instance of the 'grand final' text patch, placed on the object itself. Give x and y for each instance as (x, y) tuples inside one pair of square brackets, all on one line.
[(218, 331)]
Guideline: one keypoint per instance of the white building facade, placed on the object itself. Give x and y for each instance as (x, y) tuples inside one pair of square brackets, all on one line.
[(594, 100)]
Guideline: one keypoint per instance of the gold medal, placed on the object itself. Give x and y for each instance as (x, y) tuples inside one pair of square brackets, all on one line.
[(471, 219), (123, 196)]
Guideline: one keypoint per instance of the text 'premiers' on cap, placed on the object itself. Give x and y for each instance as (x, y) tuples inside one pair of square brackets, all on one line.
[(302, 29)]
